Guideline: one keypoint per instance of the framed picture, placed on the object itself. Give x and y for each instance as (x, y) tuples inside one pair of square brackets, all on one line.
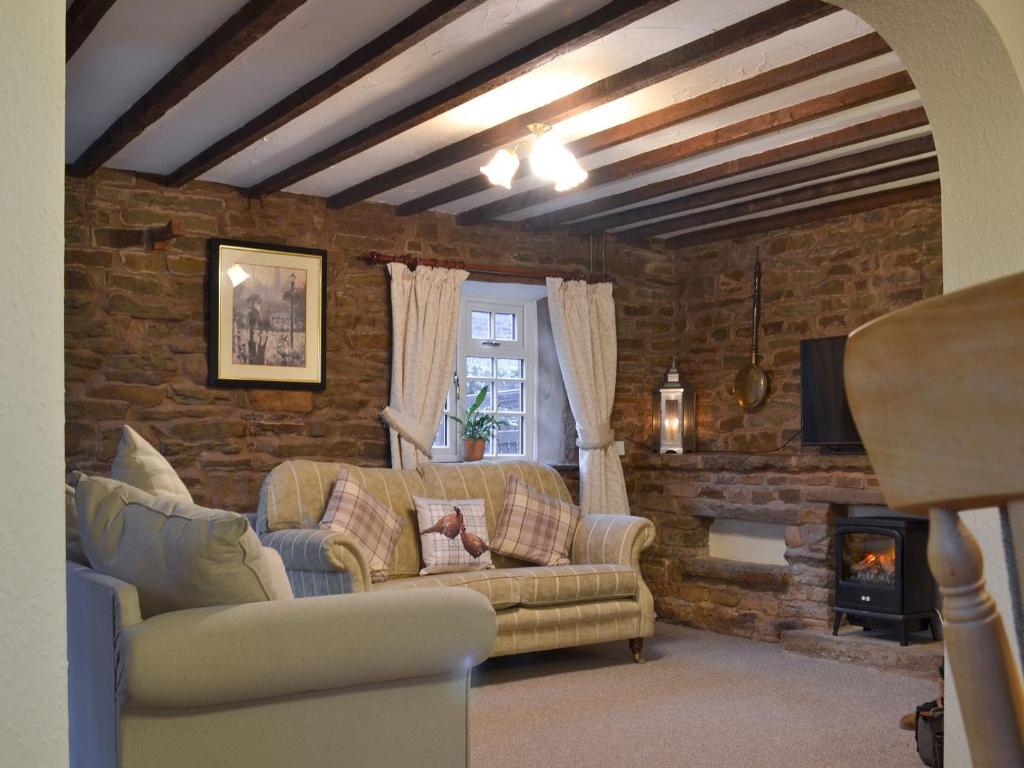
[(267, 316)]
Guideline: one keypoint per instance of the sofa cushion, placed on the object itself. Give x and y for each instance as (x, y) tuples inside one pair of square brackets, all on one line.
[(295, 495), (141, 466), (535, 586), (453, 535), (534, 526), (372, 524), (501, 587), (487, 480), (565, 584), (176, 554)]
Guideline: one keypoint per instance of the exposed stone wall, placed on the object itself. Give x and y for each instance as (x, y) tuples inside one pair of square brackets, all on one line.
[(135, 327), (823, 279), (818, 280)]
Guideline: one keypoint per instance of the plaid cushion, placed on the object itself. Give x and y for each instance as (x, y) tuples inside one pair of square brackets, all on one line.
[(534, 526), (369, 522), (453, 535)]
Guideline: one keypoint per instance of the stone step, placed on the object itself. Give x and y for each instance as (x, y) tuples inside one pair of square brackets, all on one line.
[(870, 649), (748, 575)]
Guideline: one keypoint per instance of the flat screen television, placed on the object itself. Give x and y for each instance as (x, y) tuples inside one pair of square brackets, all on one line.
[(825, 417)]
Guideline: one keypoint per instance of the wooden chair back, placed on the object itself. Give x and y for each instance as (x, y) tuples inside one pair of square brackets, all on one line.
[(937, 392)]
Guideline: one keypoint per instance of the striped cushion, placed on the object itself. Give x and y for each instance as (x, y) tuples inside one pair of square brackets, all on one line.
[(500, 587), (535, 586), (566, 584), (534, 526), (453, 535), (370, 523)]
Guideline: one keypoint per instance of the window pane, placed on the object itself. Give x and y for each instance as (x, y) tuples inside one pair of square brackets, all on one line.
[(510, 368), (504, 326), (510, 437), (441, 437), (480, 323), (473, 388), (480, 367), (510, 395)]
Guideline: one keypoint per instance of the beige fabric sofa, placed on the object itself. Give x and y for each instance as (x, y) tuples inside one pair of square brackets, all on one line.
[(367, 680), (599, 597)]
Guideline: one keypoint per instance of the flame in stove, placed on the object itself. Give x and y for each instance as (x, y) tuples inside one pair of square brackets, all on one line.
[(888, 560), (877, 564)]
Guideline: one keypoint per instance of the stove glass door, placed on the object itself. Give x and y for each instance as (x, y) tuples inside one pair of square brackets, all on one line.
[(868, 559)]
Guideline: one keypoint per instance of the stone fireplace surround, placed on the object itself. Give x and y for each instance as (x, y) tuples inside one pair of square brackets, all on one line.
[(804, 492)]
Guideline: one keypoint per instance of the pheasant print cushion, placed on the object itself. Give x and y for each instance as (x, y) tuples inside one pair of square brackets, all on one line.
[(453, 535), (534, 526), (370, 522)]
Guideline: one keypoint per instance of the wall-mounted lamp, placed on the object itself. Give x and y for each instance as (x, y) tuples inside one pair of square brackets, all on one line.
[(677, 425), (549, 161)]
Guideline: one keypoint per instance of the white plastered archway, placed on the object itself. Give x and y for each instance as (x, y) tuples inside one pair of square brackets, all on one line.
[(967, 59)]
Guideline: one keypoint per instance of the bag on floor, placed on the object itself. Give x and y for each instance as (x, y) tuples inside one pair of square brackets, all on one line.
[(929, 734)]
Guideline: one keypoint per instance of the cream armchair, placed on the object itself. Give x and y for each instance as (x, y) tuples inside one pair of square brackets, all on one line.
[(361, 679)]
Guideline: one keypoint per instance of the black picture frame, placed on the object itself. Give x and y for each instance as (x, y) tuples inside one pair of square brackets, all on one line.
[(217, 286)]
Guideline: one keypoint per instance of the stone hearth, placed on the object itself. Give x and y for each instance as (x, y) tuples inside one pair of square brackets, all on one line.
[(871, 649)]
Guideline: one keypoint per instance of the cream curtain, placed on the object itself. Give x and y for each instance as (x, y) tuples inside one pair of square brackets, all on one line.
[(425, 329), (583, 325)]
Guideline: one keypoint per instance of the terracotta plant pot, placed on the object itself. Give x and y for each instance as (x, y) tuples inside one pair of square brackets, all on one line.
[(473, 450)]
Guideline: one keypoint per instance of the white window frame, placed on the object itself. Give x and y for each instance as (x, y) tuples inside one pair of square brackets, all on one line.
[(520, 300)]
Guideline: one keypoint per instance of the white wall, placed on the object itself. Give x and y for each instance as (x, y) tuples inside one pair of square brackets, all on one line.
[(33, 689), (748, 541), (967, 60)]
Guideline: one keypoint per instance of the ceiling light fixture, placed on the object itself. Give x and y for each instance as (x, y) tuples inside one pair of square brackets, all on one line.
[(502, 168), (549, 160)]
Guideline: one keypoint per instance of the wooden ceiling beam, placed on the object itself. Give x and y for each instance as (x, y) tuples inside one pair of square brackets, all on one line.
[(249, 24), (869, 130), (860, 181), (839, 56), (82, 18), (858, 161), (750, 31), (810, 215), (601, 22), (770, 122), (417, 26)]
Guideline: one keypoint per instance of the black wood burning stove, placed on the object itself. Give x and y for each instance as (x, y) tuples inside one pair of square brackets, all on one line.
[(882, 575)]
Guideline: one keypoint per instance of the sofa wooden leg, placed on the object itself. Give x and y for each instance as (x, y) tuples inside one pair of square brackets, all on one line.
[(636, 647)]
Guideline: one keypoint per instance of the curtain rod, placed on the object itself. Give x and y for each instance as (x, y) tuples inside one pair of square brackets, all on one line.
[(376, 257)]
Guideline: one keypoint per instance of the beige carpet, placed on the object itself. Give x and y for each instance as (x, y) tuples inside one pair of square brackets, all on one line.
[(702, 700)]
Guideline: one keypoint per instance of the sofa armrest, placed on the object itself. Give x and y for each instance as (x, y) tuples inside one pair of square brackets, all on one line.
[(614, 539), (228, 654), (307, 552)]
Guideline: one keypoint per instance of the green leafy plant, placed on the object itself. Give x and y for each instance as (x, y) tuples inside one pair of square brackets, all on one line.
[(478, 425)]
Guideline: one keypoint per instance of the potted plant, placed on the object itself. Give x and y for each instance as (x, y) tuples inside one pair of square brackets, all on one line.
[(477, 427)]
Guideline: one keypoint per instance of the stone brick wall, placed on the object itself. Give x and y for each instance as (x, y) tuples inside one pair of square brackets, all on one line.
[(135, 327), (818, 280)]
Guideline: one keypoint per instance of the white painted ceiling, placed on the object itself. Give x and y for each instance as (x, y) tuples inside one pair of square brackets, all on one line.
[(138, 41)]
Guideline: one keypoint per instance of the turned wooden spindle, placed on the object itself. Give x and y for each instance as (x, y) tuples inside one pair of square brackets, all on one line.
[(979, 652), (935, 390)]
